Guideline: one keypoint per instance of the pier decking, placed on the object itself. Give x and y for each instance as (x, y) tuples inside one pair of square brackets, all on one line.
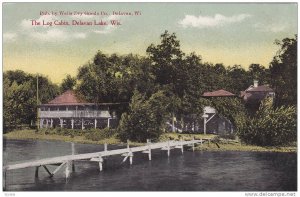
[(68, 160)]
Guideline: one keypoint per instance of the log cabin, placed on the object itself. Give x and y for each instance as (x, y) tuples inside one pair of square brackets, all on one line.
[(68, 111)]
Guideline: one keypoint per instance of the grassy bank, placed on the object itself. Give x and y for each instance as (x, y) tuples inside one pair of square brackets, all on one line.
[(214, 145), (233, 145), (41, 135), (31, 134)]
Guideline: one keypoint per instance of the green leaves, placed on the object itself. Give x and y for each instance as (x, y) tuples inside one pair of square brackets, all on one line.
[(270, 127), (68, 83), (146, 117), (283, 70), (19, 101)]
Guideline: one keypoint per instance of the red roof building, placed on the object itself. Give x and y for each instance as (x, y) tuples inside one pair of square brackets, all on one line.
[(256, 93), (218, 93), (67, 98), (70, 111)]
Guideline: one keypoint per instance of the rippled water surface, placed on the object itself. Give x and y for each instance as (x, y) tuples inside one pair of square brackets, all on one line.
[(191, 171)]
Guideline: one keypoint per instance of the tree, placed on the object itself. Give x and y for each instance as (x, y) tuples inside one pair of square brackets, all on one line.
[(68, 83), (146, 117), (283, 71), (114, 78), (239, 79), (19, 99), (259, 72), (166, 59)]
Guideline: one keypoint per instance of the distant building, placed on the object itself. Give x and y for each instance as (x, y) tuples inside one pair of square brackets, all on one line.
[(68, 111), (216, 123), (255, 94)]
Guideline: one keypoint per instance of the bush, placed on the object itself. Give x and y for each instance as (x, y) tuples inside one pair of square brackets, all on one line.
[(270, 127), (97, 134), (62, 131), (145, 119)]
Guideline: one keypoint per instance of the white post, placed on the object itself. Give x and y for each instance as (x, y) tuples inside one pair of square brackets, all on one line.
[(47, 123), (67, 169), (108, 122), (149, 149), (201, 141), (168, 148), (82, 124), (41, 123), (95, 123), (130, 157), (100, 163), (72, 123), (51, 123), (105, 146), (130, 154), (61, 123)]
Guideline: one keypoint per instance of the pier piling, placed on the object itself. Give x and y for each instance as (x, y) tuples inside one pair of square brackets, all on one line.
[(36, 175), (99, 157), (149, 149)]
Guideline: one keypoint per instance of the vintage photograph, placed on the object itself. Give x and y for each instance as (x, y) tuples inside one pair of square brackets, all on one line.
[(149, 97)]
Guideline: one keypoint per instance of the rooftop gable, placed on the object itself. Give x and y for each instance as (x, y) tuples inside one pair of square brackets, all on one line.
[(262, 88), (218, 93), (68, 97)]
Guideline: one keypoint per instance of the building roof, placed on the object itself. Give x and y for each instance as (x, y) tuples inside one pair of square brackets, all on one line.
[(218, 93), (262, 88), (67, 98)]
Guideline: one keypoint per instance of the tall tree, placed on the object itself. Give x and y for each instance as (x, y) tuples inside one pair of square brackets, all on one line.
[(166, 58), (283, 71)]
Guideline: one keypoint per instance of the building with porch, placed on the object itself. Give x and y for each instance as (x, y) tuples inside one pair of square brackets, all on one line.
[(68, 111)]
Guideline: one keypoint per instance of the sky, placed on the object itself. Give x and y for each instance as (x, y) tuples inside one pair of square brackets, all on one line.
[(228, 33)]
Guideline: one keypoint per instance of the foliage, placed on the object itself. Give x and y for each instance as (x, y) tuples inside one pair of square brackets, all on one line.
[(231, 108), (270, 127), (145, 119), (113, 78), (283, 71), (165, 83), (19, 99), (68, 83), (166, 57), (100, 134), (260, 73)]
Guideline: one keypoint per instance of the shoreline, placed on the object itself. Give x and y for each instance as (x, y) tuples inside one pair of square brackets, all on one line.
[(221, 145)]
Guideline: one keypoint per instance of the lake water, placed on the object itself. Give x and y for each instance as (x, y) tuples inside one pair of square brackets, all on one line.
[(191, 171)]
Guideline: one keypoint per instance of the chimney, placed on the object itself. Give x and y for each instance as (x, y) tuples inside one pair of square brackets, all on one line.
[(255, 83)]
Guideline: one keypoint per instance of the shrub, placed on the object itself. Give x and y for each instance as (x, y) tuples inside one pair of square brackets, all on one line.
[(270, 127), (97, 134)]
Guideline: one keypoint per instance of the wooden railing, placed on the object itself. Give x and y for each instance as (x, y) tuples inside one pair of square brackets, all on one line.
[(74, 114)]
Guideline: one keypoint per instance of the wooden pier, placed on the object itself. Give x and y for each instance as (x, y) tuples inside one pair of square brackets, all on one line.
[(67, 161)]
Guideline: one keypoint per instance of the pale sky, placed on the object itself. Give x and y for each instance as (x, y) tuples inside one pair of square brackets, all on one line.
[(229, 33)]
